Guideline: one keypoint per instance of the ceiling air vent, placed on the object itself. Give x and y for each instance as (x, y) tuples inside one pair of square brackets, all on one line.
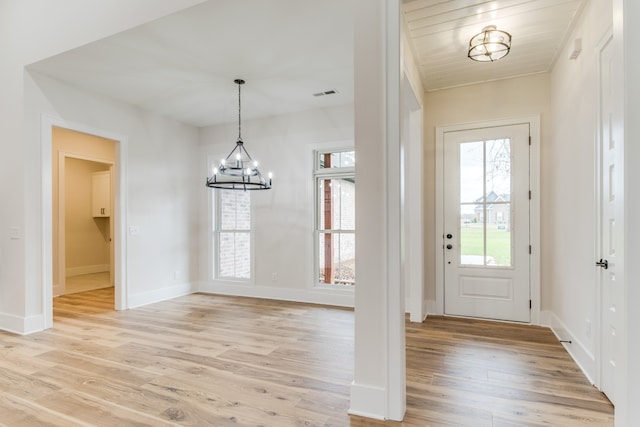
[(326, 92)]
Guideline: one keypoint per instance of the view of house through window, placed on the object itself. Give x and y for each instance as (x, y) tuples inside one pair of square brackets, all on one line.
[(232, 234), (335, 217), (485, 203)]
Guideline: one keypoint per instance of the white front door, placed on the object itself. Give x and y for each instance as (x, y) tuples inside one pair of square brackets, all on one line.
[(607, 226), (486, 223)]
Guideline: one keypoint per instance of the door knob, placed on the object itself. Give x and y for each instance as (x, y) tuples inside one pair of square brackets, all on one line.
[(603, 263), (449, 236), (449, 246)]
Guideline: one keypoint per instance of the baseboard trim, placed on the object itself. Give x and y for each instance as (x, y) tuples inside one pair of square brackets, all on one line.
[(157, 295), (310, 296), (431, 307), (578, 351), (21, 325), (367, 401), (86, 269)]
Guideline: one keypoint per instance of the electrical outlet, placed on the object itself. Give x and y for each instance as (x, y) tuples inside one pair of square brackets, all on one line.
[(274, 276), (134, 230)]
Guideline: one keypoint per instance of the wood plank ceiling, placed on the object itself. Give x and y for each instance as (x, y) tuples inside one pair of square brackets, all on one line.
[(439, 31)]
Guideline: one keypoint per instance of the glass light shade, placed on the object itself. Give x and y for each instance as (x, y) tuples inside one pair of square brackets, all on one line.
[(489, 45)]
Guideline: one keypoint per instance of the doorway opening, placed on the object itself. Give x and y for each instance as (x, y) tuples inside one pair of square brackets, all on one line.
[(487, 216), (85, 225), (83, 178)]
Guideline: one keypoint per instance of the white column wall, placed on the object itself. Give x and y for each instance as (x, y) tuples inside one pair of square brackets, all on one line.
[(627, 69), (379, 383)]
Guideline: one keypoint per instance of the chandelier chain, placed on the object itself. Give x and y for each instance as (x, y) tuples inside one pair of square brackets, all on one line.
[(239, 113)]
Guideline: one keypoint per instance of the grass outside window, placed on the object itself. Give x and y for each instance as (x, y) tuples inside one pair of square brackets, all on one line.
[(498, 242)]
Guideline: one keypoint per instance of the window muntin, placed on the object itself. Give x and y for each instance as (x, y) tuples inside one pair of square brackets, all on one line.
[(232, 234)]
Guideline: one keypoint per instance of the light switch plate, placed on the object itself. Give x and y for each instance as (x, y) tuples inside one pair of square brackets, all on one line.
[(15, 233)]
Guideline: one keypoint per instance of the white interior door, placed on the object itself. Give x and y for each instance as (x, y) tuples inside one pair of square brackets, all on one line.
[(607, 226), (486, 223)]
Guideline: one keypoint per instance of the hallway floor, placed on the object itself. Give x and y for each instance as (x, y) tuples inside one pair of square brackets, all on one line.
[(205, 359), (87, 282)]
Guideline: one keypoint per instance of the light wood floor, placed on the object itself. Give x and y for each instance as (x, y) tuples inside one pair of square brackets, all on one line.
[(87, 282), (205, 360)]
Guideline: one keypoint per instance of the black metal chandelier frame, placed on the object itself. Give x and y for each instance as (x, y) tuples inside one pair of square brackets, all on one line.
[(238, 171)]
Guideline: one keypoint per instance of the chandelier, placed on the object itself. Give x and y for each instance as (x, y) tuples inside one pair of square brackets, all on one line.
[(238, 171), (489, 45)]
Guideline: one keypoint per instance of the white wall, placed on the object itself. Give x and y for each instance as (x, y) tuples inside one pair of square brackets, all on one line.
[(86, 237), (31, 30), (282, 216), (516, 97), (161, 187), (569, 190), (626, 41)]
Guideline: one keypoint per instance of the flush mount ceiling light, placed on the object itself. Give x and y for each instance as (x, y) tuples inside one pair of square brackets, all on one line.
[(238, 171), (489, 45)]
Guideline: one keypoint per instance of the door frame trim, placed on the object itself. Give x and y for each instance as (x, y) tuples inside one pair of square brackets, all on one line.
[(62, 157), (534, 213), (119, 207)]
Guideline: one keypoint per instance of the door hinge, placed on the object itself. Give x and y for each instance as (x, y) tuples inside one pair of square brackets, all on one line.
[(529, 249), (529, 194), (529, 139), (530, 305)]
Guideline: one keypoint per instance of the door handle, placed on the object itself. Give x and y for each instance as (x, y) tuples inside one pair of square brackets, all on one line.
[(603, 263)]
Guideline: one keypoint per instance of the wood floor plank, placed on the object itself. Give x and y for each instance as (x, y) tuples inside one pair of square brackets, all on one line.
[(17, 412), (96, 411), (214, 360)]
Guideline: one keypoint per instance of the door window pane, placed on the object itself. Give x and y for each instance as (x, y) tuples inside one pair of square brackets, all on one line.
[(485, 203), (471, 236), (499, 235), (471, 172), (498, 161)]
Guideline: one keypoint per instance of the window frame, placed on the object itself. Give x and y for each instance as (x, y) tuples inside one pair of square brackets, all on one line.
[(320, 173), (215, 240)]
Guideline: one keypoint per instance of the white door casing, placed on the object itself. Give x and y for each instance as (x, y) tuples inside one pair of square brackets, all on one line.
[(119, 210), (481, 286)]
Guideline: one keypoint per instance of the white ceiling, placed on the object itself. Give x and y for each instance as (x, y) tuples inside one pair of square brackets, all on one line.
[(183, 65), (440, 31)]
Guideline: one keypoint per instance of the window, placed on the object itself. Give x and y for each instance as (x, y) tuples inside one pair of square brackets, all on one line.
[(335, 187), (232, 234)]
